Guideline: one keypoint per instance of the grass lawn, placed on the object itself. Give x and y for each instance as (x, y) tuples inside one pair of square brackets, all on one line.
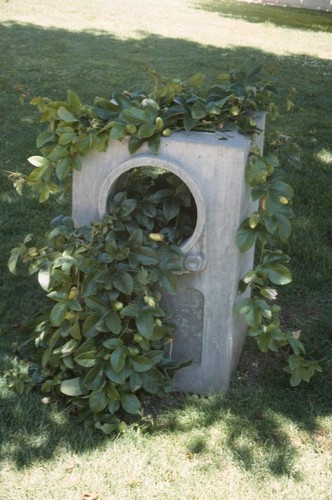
[(261, 439)]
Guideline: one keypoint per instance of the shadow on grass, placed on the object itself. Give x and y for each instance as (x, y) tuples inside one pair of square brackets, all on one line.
[(257, 420), (31, 431), (253, 413), (286, 17)]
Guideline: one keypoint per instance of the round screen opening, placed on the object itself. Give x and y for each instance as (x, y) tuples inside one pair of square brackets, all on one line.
[(155, 200)]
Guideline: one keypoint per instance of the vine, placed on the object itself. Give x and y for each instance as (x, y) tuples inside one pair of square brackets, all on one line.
[(107, 327)]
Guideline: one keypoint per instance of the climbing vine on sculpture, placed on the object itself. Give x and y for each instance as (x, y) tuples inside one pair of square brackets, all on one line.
[(101, 341)]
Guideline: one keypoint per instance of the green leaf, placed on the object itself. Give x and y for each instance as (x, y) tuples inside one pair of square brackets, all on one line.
[(86, 359), (154, 144), (133, 115), (146, 130), (66, 138), (189, 122), (71, 387), (113, 322), (118, 132), (146, 256), (111, 427), (145, 323), (272, 160), (84, 144), (97, 305), (284, 227), (66, 115), (278, 274), (63, 168), (282, 189), (198, 111), (275, 256), (74, 305), (135, 381), (167, 281), (15, 255), (112, 392), (171, 208), (118, 359), (296, 344), (113, 343), (113, 407), (57, 152), (68, 362), (38, 161), (161, 332), (44, 278), (74, 101), (269, 293), (196, 80), (141, 363), (264, 342), (86, 346), (75, 331), (244, 305), (131, 404), (153, 381), (175, 111), (134, 143), (47, 386), (118, 378), (58, 313), (264, 308), (295, 379), (123, 282), (127, 207), (254, 219), (253, 318), (94, 378), (271, 224), (155, 356), (76, 163), (101, 325), (131, 310), (89, 328), (136, 239), (44, 138), (256, 171), (98, 400), (69, 347), (44, 193), (46, 357), (245, 237)]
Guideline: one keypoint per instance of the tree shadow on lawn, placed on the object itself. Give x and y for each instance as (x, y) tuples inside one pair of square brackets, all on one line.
[(48, 62), (260, 420), (31, 431)]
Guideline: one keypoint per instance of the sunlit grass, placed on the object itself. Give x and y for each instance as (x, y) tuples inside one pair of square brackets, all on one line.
[(303, 19)]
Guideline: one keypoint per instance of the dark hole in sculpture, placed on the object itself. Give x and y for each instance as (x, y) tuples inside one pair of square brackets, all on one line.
[(158, 202)]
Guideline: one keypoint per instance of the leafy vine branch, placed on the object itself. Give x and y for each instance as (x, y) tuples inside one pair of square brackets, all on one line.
[(75, 266)]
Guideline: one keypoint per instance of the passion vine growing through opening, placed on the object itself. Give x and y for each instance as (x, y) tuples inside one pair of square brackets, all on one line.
[(74, 130)]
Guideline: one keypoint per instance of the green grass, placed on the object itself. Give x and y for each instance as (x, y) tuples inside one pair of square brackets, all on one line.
[(302, 19), (261, 439)]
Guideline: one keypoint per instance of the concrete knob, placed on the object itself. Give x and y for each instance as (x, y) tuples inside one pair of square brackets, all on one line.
[(193, 262)]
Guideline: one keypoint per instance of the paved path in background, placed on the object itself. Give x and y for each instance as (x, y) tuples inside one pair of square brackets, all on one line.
[(167, 18)]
